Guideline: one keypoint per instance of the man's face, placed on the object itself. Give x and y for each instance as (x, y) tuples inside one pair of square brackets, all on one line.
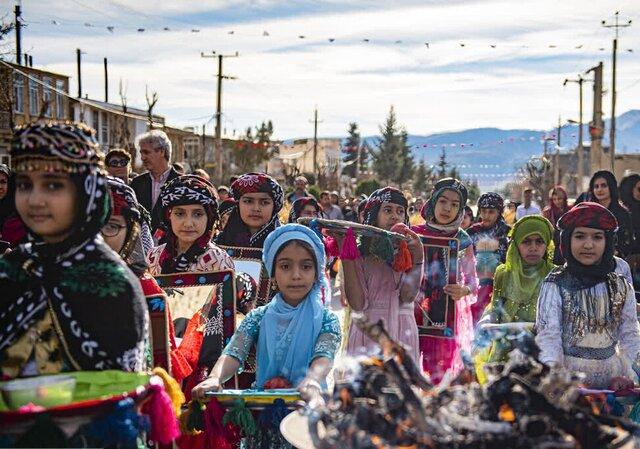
[(153, 159), (300, 185), (527, 197), (325, 200)]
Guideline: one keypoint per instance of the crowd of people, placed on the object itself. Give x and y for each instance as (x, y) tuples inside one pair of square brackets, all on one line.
[(83, 239)]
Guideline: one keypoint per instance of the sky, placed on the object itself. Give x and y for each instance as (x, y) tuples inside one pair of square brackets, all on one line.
[(495, 63)]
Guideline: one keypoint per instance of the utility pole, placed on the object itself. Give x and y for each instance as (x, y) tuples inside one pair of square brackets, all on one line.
[(580, 150), (78, 63), (220, 77), (596, 127), (106, 82), (612, 129), (18, 24), (315, 143)]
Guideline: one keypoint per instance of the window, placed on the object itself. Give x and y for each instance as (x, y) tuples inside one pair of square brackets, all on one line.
[(18, 93), (34, 98), (95, 120), (47, 95), (60, 113), (104, 129)]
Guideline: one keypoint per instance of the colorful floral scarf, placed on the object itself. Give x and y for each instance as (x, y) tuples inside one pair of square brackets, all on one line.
[(236, 233), (96, 304), (182, 191)]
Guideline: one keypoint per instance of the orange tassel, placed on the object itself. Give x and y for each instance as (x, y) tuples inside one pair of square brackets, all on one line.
[(402, 261)]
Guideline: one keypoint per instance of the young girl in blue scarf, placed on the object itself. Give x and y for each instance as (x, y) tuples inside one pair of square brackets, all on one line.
[(296, 336)]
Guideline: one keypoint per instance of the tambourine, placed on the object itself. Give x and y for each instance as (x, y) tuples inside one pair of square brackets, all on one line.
[(342, 227)]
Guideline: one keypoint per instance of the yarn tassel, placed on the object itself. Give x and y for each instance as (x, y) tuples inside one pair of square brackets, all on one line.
[(313, 225), (273, 414), (159, 408), (192, 419), (350, 247), (331, 247), (172, 388), (215, 432), (240, 416), (120, 427), (402, 261), (382, 248)]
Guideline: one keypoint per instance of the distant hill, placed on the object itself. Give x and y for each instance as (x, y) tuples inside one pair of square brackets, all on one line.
[(493, 155)]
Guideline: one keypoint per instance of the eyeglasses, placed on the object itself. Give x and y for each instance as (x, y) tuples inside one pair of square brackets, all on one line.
[(117, 163), (111, 229)]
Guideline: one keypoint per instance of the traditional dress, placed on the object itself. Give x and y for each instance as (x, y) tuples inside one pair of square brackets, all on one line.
[(553, 214), (381, 288), (516, 285), (72, 305), (586, 314), (288, 338), (203, 255), (629, 189), (442, 354), (490, 248), (236, 233)]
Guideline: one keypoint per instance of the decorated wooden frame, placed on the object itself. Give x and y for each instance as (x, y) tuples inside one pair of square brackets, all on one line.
[(435, 310), (218, 307), (252, 255)]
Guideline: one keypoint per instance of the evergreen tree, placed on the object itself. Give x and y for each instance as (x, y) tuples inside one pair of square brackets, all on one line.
[(454, 173), (406, 166), (350, 150), (421, 179), (393, 161), (442, 165)]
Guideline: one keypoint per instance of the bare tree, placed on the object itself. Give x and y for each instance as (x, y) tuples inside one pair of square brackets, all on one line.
[(151, 103)]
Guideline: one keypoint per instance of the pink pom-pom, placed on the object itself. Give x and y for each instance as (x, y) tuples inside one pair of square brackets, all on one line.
[(159, 408), (331, 247), (350, 247)]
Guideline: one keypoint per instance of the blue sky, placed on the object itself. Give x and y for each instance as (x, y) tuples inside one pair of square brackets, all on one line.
[(459, 81)]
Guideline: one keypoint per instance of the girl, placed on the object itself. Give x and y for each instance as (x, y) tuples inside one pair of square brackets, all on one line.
[(304, 207), (68, 301), (558, 206), (603, 189), (586, 313), (490, 243), (189, 213), (443, 214), (296, 336), (509, 214), (372, 287), (468, 219), (260, 199), (517, 282), (226, 207)]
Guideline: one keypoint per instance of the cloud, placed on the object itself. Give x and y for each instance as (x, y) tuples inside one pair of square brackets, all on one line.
[(282, 77)]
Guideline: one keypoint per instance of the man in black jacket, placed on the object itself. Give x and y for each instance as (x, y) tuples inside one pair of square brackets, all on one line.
[(154, 148)]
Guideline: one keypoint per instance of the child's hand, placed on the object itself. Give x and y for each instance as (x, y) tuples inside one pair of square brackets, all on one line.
[(457, 291), (415, 244), (209, 384)]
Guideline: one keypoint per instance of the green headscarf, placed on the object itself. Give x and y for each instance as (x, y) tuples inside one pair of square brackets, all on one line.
[(518, 284)]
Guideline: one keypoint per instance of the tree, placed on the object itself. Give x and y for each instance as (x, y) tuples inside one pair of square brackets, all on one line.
[(367, 187), (393, 161), (351, 149), (442, 165), (252, 150), (473, 191), (422, 180)]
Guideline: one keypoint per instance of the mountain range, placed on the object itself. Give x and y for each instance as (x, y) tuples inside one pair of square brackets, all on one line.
[(493, 156)]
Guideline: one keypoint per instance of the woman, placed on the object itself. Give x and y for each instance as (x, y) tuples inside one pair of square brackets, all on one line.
[(260, 198), (468, 219), (304, 207), (12, 229), (226, 207), (603, 189), (373, 288), (66, 285), (517, 282), (586, 313), (630, 197), (190, 214), (443, 214), (558, 206), (490, 243)]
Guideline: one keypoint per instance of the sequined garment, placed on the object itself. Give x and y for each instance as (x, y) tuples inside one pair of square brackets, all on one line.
[(593, 330)]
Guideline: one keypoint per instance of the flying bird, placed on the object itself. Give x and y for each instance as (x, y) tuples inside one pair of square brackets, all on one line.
[(140, 30), (331, 39), (110, 28), (493, 45), (265, 33), (427, 44)]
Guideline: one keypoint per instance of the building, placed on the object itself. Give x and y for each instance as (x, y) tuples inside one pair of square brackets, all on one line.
[(297, 158), (27, 94), (115, 125)]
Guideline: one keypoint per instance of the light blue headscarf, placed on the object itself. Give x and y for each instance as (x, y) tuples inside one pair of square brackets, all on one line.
[(288, 334)]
